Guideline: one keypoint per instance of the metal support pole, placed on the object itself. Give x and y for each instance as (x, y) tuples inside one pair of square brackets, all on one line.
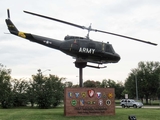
[(80, 77), (136, 87)]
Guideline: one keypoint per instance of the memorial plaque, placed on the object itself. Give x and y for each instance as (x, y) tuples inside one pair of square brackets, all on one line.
[(89, 101)]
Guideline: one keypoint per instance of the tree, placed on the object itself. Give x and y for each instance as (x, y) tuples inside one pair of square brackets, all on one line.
[(5, 87), (119, 89), (158, 93), (104, 83), (91, 83), (148, 79), (38, 85), (75, 86), (130, 86), (98, 84), (31, 92), (68, 84), (56, 89), (149, 74), (19, 91), (48, 90), (112, 84)]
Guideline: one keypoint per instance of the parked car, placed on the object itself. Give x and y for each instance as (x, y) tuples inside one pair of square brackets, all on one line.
[(130, 103)]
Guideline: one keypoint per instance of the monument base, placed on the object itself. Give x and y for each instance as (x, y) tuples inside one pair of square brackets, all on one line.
[(89, 101)]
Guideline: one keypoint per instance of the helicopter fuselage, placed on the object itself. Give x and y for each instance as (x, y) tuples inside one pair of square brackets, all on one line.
[(89, 50)]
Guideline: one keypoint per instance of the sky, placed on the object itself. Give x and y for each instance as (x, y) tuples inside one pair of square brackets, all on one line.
[(134, 18)]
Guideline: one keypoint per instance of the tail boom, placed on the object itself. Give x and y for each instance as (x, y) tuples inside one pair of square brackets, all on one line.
[(49, 42)]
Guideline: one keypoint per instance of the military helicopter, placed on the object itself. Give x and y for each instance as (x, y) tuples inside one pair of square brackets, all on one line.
[(83, 49)]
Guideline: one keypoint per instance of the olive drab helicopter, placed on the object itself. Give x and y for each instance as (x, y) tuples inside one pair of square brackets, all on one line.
[(83, 49)]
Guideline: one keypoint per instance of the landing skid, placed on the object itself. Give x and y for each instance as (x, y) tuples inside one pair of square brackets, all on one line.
[(96, 66)]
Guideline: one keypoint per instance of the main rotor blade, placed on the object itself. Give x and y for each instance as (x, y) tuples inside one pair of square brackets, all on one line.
[(126, 37), (75, 25), (89, 28)]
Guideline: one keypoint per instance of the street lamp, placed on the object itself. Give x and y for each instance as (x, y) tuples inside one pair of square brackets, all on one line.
[(40, 73), (39, 70)]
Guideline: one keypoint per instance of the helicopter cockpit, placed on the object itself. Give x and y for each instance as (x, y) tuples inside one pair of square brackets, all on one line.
[(108, 48)]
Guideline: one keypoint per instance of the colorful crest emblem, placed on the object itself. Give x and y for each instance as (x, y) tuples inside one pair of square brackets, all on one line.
[(104, 95), (83, 94), (108, 102), (91, 93), (73, 102), (70, 94), (110, 95), (99, 95), (100, 102), (91, 102), (81, 102), (77, 95)]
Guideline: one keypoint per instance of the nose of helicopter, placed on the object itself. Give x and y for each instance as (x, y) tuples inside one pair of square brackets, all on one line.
[(117, 57)]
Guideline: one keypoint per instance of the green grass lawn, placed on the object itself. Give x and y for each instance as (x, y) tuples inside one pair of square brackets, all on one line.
[(58, 114)]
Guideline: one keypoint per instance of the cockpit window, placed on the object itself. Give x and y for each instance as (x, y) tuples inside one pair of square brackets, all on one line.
[(72, 37), (109, 48)]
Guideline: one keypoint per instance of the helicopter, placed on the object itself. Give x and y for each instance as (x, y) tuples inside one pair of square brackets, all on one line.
[(83, 49)]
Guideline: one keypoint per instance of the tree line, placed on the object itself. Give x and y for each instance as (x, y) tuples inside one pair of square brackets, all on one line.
[(48, 91), (42, 91), (147, 76), (142, 83)]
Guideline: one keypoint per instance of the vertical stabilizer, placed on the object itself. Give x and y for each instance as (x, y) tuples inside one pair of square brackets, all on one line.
[(11, 26)]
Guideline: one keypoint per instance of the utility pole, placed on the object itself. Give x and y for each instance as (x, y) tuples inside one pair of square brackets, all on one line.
[(136, 87)]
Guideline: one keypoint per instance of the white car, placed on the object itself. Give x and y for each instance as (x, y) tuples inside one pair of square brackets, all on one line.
[(130, 103)]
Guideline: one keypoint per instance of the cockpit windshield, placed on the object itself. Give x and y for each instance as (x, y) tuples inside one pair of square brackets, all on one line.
[(109, 48)]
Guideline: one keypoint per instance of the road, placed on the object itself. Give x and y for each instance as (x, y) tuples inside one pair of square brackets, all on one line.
[(143, 107)]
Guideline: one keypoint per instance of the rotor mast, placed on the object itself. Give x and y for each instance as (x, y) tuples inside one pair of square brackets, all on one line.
[(89, 29)]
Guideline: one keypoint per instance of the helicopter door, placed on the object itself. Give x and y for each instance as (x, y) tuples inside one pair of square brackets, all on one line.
[(91, 48), (75, 46)]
